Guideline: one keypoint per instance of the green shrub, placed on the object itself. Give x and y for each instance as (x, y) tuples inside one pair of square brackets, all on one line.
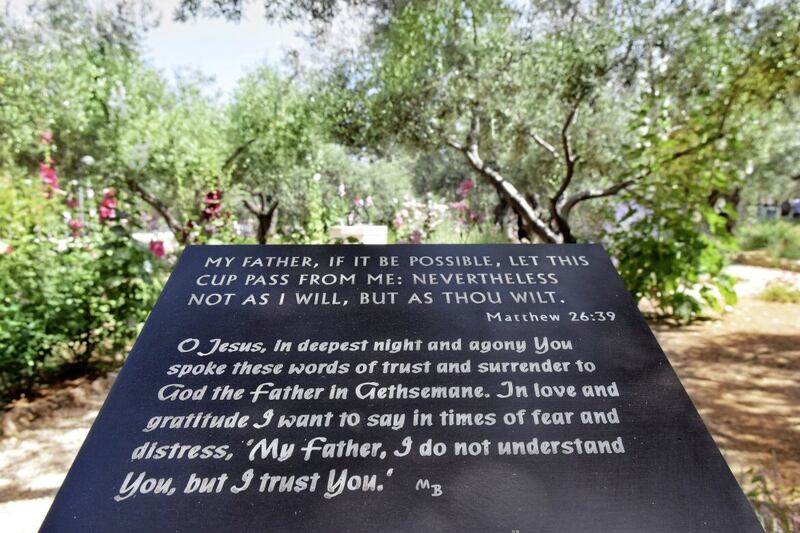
[(668, 262), (66, 299), (780, 238)]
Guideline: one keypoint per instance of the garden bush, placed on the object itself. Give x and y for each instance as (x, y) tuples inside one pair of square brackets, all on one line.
[(667, 262), (73, 293), (781, 239)]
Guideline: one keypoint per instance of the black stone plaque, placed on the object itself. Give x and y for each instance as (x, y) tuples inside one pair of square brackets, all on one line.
[(398, 388)]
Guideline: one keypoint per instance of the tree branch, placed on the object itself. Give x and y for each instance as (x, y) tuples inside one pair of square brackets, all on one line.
[(453, 144), (162, 209), (575, 199), (695, 148), (544, 144), (264, 214), (236, 153), (569, 157)]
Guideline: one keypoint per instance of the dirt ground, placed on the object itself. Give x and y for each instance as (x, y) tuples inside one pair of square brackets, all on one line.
[(743, 373)]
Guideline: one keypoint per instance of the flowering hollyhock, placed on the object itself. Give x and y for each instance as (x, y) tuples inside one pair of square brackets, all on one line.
[(213, 201), (72, 202), (359, 201), (368, 201), (76, 226), (157, 248), (465, 187), (46, 137), (213, 197), (49, 176), (108, 204), (398, 221), (341, 190), (107, 212)]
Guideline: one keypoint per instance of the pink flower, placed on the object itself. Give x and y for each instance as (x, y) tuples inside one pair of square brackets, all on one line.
[(157, 248), (476, 217), (416, 236), (461, 205), (359, 201), (368, 201), (49, 175), (211, 211), (213, 197), (107, 212), (398, 220), (75, 225), (108, 204), (465, 187), (72, 202), (46, 136)]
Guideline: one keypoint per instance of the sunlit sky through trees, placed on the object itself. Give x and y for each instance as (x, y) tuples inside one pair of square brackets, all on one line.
[(216, 47)]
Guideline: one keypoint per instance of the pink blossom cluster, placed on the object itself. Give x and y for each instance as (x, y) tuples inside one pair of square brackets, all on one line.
[(108, 204), (465, 187), (75, 226), (462, 206), (49, 177), (157, 248)]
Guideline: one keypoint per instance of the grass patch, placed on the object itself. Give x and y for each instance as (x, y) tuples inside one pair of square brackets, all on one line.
[(781, 291), (777, 505)]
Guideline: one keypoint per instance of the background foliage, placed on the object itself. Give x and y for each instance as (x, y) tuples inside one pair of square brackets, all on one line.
[(656, 128)]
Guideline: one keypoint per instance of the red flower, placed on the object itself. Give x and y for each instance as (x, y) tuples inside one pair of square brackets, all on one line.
[(108, 204), (213, 200), (213, 197), (157, 248), (211, 211), (107, 212), (72, 202), (465, 187), (75, 225), (49, 175)]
